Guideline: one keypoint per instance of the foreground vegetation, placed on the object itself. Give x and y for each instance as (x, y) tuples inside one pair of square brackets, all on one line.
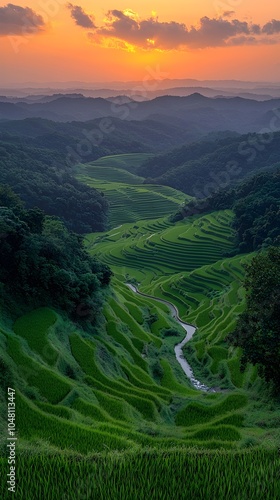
[(177, 473), (107, 412)]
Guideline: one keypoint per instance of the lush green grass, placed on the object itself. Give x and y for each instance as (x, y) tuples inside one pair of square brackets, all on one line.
[(34, 328), (196, 413), (125, 381), (109, 384), (178, 473), (185, 264), (34, 423), (132, 203), (50, 385)]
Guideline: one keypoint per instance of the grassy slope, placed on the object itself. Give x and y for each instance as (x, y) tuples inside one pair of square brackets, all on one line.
[(123, 389), (130, 200), (129, 162)]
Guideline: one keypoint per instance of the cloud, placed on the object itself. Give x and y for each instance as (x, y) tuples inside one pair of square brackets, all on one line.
[(81, 18), (215, 32), (170, 35), (272, 28), (16, 20), (228, 13), (125, 29), (256, 29), (242, 40)]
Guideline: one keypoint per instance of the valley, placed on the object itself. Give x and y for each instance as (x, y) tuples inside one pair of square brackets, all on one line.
[(120, 389)]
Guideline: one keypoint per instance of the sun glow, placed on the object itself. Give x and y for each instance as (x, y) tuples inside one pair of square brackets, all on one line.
[(122, 41), (130, 13)]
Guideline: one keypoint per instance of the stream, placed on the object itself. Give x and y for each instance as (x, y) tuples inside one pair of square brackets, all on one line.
[(190, 330)]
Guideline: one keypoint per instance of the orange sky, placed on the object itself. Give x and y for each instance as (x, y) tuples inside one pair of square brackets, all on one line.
[(236, 40)]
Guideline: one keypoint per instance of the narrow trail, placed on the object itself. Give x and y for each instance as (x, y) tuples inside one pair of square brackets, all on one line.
[(190, 329)]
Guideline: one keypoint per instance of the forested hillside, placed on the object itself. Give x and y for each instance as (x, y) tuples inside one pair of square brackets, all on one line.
[(87, 141), (201, 168), (42, 179), (42, 263)]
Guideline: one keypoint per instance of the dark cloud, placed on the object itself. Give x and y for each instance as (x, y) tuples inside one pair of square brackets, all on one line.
[(81, 18), (271, 28), (256, 29), (172, 35), (243, 40), (125, 29), (251, 40), (228, 13), (16, 20), (215, 32)]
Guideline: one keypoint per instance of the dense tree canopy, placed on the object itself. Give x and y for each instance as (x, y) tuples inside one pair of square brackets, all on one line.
[(258, 329), (257, 211), (41, 178), (42, 263)]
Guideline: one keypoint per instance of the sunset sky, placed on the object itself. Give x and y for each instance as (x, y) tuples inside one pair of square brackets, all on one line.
[(55, 41)]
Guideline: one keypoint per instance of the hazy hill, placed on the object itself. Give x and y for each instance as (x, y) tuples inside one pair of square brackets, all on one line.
[(120, 137), (199, 112)]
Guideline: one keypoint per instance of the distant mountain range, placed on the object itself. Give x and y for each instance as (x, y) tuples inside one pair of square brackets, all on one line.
[(144, 95), (199, 113)]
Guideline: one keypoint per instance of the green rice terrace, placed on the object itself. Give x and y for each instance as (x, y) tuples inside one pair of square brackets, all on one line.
[(130, 200), (112, 415)]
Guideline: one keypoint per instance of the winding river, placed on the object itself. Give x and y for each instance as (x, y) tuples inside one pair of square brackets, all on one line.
[(190, 329)]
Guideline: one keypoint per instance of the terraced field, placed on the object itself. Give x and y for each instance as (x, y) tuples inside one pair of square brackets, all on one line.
[(183, 263), (130, 200), (116, 390), (186, 263), (121, 389), (129, 161), (151, 249)]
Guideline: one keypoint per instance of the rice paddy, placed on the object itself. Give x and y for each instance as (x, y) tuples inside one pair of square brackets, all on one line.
[(112, 414), (130, 200), (151, 474)]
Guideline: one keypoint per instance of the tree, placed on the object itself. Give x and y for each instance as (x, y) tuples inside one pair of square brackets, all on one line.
[(8, 198), (43, 263), (258, 328)]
